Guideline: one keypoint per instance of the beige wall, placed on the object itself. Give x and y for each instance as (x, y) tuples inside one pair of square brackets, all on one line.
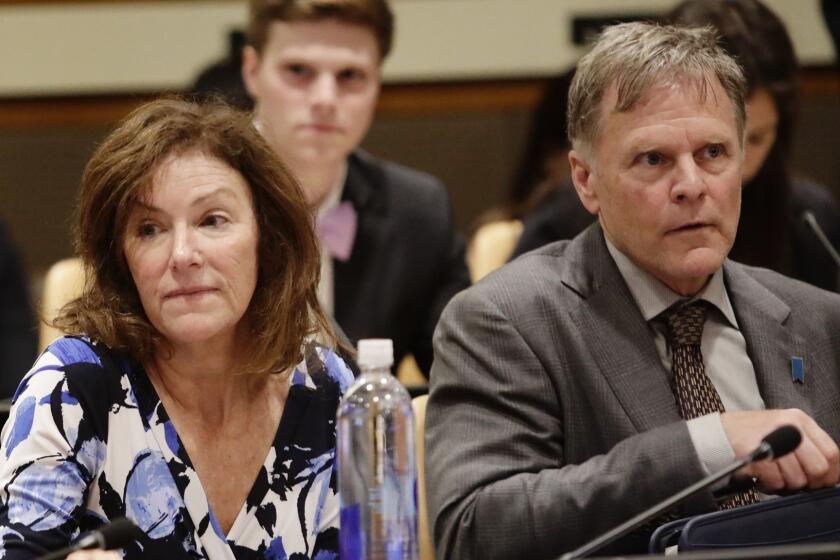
[(149, 46)]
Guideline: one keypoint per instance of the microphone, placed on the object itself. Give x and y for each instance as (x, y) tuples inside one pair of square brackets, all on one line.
[(777, 443), (811, 220), (116, 534)]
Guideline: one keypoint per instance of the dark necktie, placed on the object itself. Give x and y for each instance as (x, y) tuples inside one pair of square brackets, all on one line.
[(693, 390)]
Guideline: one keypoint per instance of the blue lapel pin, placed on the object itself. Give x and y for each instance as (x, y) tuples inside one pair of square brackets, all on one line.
[(797, 369)]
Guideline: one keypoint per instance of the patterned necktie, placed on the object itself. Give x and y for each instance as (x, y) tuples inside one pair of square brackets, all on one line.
[(694, 391)]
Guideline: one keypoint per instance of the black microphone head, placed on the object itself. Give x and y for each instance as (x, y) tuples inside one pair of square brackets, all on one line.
[(119, 533), (783, 440)]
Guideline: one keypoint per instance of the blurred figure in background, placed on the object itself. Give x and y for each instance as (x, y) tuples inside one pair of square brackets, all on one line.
[(831, 15), (18, 336), (544, 163), (223, 79), (559, 214), (772, 232), (391, 258), (541, 185)]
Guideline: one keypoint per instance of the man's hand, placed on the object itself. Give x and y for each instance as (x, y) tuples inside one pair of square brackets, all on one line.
[(814, 464)]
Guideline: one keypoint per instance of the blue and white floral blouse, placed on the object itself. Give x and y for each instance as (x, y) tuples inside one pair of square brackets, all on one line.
[(88, 440)]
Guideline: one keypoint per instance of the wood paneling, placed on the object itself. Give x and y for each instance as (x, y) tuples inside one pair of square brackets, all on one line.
[(57, 111), (408, 99), (396, 99), (821, 81)]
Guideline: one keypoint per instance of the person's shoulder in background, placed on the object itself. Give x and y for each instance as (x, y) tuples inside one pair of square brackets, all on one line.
[(18, 333), (560, 216), (812, 259), (404, 186), (413, 210)]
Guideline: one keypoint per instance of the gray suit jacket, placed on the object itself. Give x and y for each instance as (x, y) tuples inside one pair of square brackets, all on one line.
[(551, 418)]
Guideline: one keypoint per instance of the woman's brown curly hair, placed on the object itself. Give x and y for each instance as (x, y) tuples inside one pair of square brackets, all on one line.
[(284, 309)]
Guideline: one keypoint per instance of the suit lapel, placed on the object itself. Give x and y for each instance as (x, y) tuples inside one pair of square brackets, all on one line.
[(351, 297), (620, 340), (762, 318), (357, 186)]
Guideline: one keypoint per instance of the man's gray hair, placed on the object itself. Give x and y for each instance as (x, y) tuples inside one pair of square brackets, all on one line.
[(636, 57)]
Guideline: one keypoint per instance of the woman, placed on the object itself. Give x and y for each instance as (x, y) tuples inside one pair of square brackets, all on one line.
[(181, 402), (771, 232)]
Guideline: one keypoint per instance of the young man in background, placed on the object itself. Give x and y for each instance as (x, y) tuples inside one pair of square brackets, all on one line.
[(391, 258)]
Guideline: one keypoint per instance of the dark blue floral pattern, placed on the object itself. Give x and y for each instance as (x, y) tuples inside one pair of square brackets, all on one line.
[(88, 440)]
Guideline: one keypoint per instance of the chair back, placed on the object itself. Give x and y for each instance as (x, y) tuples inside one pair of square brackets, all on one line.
[(427, 549), (64, 282), (491, 246)]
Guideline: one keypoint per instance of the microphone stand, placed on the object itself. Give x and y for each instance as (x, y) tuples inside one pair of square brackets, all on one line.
[(809, 218), (93, 540), (115, 534), (764, 451)]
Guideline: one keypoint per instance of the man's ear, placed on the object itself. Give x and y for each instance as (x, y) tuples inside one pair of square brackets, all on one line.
[(584, 181), (250, 69)]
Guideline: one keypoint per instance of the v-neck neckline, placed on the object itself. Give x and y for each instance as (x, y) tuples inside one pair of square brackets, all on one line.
[(152, 407)]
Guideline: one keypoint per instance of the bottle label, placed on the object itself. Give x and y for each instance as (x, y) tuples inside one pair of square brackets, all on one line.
[(350, 533), (384, 539)]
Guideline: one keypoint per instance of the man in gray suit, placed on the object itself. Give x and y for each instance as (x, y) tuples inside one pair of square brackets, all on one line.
[(558, 403)]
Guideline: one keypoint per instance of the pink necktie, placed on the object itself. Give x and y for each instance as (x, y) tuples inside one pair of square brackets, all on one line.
[(336, 229)]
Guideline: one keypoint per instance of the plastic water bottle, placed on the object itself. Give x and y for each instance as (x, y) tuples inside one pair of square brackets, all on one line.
[(377, 476)]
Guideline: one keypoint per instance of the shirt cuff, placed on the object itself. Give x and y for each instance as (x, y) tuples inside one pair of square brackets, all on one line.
[(711, 444)]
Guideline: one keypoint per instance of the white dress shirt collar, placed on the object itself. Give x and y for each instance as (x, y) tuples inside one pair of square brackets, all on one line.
[(333, 197), (653, 297), (326, 286)]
